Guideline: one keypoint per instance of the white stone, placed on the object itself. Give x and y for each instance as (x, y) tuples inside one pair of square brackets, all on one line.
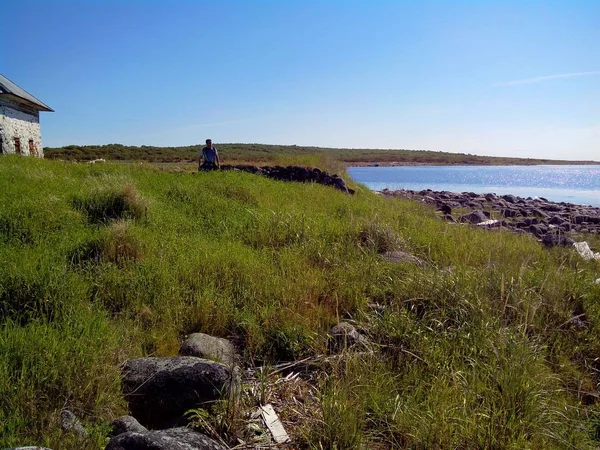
[(17, 121), (585, 251)]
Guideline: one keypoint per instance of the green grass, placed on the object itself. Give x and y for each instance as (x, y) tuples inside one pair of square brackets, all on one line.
[(100, 263)]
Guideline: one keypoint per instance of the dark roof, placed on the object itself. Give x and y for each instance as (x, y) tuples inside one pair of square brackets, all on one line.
[(7, 87)]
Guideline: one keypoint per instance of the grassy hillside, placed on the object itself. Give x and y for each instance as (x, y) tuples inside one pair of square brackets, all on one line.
[(475, 348), (275, 154)]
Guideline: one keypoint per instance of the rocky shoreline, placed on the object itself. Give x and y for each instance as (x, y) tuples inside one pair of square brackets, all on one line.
[(553, 223)]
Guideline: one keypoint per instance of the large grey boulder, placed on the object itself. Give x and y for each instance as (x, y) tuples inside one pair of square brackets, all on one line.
[(171, 439), (474, 217), (208, 347), (160, 390)]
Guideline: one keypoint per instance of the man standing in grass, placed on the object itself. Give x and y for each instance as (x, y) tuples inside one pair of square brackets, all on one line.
[(209, 157)]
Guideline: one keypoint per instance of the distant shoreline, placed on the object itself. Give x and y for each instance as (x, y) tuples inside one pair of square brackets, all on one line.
[(516, 163)]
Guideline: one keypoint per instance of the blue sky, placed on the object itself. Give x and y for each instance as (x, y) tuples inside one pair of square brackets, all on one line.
[(515, 78)]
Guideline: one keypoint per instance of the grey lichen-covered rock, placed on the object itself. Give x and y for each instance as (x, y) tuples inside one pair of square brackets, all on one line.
[(31, 447), (208, 347), (160, 390), (125, 424), (400, 257), (70, 422), (344, 336), (171, 439)]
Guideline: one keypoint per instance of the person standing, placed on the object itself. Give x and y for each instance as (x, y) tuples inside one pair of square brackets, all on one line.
[(209, 157)]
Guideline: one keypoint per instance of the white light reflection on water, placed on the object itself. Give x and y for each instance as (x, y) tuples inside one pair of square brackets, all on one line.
[(572, 184)]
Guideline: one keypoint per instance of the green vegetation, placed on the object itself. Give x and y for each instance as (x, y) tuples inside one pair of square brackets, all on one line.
[(262, 154), (476, 348)]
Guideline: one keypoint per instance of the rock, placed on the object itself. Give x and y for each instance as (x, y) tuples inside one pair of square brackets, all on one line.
[(208, 347), (585, 251), (538, 212), (444, 208), (507, 212), (31, 447), (490, 223), (474, 217), (402, 257), (556, 220), (510, 198), (69, 422), (171, 439), (538, 230), (160, 390), (551, 240), (125, 424), (344, 336)]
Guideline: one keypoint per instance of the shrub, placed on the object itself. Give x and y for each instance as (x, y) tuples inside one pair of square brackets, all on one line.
[(105, 205)]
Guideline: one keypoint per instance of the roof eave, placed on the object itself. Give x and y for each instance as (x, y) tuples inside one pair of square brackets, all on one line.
[(37, 106)]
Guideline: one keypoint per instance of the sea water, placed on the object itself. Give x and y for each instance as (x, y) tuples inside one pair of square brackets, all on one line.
[(571, 184)]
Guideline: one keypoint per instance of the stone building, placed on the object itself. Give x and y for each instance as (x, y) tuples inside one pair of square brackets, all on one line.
[(20, 120)]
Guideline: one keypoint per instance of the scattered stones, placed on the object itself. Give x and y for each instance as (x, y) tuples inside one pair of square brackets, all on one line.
[(160, 390), (294, 173), (126, 424), (208, 347), (538, 216), (344, 336), (172, 439)]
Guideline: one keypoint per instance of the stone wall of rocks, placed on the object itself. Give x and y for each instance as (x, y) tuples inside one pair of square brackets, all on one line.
[(295, 173), (548, 221)]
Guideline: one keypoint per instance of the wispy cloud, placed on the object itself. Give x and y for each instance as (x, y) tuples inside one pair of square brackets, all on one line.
[(547, 78)]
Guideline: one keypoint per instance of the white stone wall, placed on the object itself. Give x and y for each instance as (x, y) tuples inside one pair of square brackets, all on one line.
[(15, 121)]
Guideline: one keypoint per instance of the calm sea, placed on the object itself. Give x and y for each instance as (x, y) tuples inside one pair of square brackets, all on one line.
[(572, 184)]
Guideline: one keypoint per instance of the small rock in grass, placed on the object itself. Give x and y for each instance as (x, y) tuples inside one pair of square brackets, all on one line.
[(208, 347), (344, 336), (398, 257), (70, 422)]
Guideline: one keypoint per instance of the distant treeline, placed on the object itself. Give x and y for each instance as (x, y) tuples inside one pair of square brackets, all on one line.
[(263, 153)]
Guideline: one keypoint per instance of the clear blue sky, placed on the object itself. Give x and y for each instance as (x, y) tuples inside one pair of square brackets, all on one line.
[(516, 78)]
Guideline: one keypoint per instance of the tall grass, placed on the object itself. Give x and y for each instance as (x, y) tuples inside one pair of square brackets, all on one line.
[(476, 347)]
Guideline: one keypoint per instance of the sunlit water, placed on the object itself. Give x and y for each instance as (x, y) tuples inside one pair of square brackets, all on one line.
[(572, 184)]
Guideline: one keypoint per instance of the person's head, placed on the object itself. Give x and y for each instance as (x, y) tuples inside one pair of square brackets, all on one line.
[(209, 142)]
